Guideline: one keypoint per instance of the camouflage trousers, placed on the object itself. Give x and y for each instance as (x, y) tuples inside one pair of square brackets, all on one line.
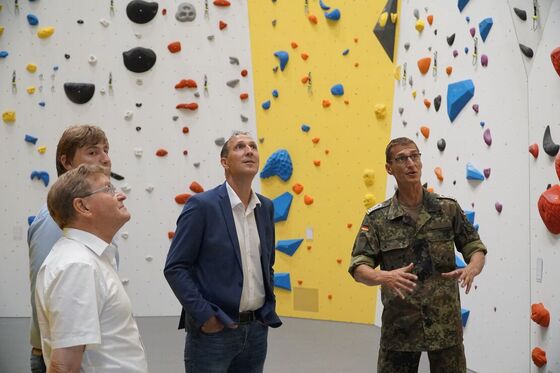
[(448, 360)]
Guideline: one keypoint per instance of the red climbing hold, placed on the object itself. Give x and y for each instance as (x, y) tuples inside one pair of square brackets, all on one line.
[(223, 25), (549, 208), (534, 150), (170, 234), (244, 73), (244, 96), (540, 314), (557, 165), (174, 47), (190, 106), (196, 187), (222, 3), (185, 130), (186, 83), (161, 152), (555, 57), (182, 198)]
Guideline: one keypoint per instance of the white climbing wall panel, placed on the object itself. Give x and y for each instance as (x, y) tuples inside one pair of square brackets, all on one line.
[(496, 335), (153, 214)]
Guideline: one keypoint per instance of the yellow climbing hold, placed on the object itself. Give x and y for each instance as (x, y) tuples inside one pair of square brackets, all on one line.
[(42, 149), (31, 67), (394, 17), (31, 90), (45, 32), (369, 177), (1, 30), (414, 94), (419, 25), (9, 116), (383, 19), (369, 200), (397, 72), (380, 111)]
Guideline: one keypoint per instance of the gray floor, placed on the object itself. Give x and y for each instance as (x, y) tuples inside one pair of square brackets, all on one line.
[(305, 346)]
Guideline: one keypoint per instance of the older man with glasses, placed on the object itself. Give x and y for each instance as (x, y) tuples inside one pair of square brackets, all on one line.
[(85, 316), (412, 237)]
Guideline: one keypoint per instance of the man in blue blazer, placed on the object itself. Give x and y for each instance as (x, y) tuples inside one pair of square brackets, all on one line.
[(219, 266)]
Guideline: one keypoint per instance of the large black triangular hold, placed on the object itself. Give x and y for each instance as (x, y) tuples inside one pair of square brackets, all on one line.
[(386, 35)]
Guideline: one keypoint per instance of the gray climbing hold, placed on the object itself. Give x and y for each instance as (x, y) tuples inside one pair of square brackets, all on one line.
[(210, 37), (549, 146), (196, 164), (437, 102), (401, 110), (175, 117), (441, 144), (220, 141), (451, 39), (186, 12), (197, 94), (243, 118), (526, 50), (416, 13), (406, 45), (520, 13), (232, 83), (234, 61)]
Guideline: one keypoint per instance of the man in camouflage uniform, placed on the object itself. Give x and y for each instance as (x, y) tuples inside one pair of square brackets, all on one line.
[(412, 236)]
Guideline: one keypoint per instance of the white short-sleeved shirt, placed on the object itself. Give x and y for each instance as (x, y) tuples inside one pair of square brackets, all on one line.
[(81, 301)]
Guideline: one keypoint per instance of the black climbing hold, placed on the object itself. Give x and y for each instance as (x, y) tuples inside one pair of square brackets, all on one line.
[(138, 129), (67, 56), (139, 59), (139, 11), (520, 13), (138, 104), (80, 21), (441, 144), (79, 93), (116, 176), (437, 102), (451, 39), (549, 146), (526, 50)]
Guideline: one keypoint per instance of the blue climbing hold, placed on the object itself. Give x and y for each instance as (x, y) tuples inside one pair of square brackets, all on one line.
[(289, 247), (466, 50), (468, 19), (458, 94), (282, 205), (484, 27), (473, 173), (30, 219), (278, 164), (32, 20), (337, 90), (345, 52), (282, 280), (42, 103), (464, 316), (31, 139), (470, 216), (41, 175), (266, 105), (323, 5), (283, 57), (305, 128), (275, 93), (4, 54), (55, 68), (459, 262), (333, 15), (461, 4)]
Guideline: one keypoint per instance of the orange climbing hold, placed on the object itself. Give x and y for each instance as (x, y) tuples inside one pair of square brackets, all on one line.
[(430, 19), (315, 140), (182, 198), (297, 188), (430, 189), (196, 187), (304, 56), (540, 314), (329, 296), (326, 103), (305, 79), (312, 18), (327, 151), (170, 234), (439, 173), (294, 45), (539, 356), (349, 225), (244, 72), (299, 282), (425, 131), (308, 200), (244, 96), (427, 103), (449, 70), (161, 152), (317, 162), (338, 260), (222, 3), (424, 64), (222, 25), (346, 102), (191, 106), (534, 150), (549, 208), (174, 47), (557, 165), (186, 83), (186, 130)]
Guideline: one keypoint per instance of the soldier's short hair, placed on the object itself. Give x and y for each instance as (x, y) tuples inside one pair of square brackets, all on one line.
[(74, 138), (395, 142)]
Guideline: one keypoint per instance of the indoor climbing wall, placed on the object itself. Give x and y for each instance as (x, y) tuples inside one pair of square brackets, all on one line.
[(167, 81), (323, 91)]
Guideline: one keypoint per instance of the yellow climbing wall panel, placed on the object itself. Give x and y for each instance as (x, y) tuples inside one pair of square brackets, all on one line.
[(349, 138)]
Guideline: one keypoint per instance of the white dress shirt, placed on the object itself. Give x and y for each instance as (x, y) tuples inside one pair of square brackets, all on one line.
[(252, 294), (81, 301)]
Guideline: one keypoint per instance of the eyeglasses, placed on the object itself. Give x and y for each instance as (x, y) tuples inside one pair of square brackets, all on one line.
[(402, 159), (109, 189)]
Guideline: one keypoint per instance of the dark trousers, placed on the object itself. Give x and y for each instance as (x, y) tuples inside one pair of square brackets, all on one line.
[(36, 362), (240, 350), (448, 360)]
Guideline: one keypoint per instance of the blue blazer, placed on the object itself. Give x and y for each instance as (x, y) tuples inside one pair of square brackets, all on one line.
[(203, 266)]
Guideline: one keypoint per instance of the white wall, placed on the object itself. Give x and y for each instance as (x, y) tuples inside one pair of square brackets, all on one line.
[(153, 214)]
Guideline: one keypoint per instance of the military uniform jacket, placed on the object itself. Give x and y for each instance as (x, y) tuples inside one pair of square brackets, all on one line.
[(430, 317)]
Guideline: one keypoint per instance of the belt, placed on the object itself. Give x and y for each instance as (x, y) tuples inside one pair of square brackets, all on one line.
[(247, 316), (36, 351)]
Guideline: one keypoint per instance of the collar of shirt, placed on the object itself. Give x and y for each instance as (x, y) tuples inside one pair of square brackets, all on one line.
[(91, 241), (235, 201)]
